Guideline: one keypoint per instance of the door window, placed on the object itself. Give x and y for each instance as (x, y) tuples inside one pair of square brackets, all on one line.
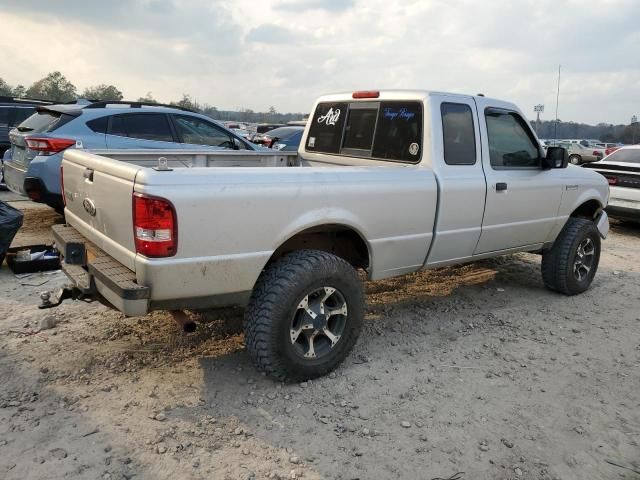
[(511, 144), (200, 132)]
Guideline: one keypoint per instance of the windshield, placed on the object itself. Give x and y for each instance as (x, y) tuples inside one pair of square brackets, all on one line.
[(630, 155)]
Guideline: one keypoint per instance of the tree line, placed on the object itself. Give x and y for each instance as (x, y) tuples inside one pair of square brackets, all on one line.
[(606, 132), (56, 87)]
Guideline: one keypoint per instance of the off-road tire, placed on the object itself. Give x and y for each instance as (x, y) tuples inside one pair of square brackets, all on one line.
[(275, 300), (558, 262)]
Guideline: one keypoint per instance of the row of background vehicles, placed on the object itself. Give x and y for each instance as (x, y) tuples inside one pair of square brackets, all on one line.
[(618, 163), (583, 150), (34, 135)]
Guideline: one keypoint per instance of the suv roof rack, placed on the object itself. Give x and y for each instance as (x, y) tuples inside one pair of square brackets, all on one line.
[(18, 100), (104, 103)]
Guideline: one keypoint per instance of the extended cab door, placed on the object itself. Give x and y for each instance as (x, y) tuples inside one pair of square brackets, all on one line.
[(522, 199), (456, 159)]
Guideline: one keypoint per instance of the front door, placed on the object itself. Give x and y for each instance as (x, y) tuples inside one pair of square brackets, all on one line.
[(522, 199)]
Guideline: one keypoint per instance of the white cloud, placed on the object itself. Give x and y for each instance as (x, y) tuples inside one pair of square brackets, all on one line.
[(240, 53)]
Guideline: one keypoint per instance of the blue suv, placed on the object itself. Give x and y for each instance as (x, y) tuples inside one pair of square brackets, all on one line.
[(38, 143)]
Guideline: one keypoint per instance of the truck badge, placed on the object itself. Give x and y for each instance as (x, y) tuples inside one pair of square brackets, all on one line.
[(89, 206)]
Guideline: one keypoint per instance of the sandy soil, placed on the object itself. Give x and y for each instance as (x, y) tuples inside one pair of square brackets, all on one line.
[(474, 369)]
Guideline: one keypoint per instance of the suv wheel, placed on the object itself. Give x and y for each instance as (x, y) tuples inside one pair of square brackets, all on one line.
[(570, 265), (304, 316)]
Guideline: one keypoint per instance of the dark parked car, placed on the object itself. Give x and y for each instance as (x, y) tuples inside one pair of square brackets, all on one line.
[(284, 138), (12, 112)]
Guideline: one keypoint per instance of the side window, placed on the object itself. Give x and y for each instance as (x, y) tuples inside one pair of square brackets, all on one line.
[(458, 134), (199, 132), (98, 125), (325, 132), (147, 126), (117, 126), (4, 116), (398, 132), (510, 142)]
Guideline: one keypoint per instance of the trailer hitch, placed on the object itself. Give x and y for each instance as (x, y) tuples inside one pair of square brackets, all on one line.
[(53, 298)]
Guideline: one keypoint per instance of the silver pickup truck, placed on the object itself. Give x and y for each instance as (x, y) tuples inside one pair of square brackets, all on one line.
[(388, 182)]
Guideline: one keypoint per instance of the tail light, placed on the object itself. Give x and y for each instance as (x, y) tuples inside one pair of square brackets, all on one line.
[(48, 146), (155, 227), (366, 94), (597, 153), (612, 180)]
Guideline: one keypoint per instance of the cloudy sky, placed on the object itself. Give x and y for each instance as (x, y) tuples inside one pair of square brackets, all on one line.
[(252, 54)]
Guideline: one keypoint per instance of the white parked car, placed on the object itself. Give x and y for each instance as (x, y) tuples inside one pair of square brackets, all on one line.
[(389, 182), (622, 170)]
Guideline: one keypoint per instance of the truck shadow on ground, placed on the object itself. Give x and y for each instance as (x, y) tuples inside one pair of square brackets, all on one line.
[(411, 322)]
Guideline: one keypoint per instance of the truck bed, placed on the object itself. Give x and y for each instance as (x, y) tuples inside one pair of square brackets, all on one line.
[(231, 219)]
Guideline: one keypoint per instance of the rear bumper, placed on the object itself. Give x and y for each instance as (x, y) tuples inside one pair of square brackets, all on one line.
[(36, 190), (624, 203), (14, 177), (91, 270)]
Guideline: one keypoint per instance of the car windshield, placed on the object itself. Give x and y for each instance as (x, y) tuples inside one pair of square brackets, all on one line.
[(629, 155)]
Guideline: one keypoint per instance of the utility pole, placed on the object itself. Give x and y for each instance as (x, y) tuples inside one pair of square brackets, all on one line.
[(555, 130)]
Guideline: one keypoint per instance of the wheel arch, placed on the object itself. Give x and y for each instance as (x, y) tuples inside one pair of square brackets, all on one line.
[(588, 209), (339, 239)]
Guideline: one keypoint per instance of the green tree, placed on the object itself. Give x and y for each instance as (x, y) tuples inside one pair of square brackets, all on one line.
[(19, 91), (148, 98), (5, 88), (54, 86), (186, 102), (102, 92)]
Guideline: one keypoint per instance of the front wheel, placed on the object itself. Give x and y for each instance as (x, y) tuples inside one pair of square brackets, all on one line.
[(304, 316), (570, 265)]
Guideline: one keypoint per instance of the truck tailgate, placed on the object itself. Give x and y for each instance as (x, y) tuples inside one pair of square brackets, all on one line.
[(98, 195)]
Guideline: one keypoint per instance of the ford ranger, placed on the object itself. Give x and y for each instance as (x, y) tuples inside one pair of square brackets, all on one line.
[(387, 182)]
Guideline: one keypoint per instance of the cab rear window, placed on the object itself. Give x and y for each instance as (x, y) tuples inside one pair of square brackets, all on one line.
[(378, 130)]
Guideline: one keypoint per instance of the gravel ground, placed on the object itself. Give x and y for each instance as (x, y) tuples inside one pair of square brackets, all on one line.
[(474, 369)]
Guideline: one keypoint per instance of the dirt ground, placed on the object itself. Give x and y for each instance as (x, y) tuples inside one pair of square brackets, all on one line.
[(475, 369)]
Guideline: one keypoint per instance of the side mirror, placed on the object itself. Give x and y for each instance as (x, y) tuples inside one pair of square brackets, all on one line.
[(237, 144), (557, 157)]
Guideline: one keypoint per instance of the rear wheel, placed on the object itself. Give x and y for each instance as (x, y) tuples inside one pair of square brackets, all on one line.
[(575, 159), (570, 265), (304, 316)]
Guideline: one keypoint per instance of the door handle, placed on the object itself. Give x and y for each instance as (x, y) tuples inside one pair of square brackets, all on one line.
[(501, 186), (88, 174)]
